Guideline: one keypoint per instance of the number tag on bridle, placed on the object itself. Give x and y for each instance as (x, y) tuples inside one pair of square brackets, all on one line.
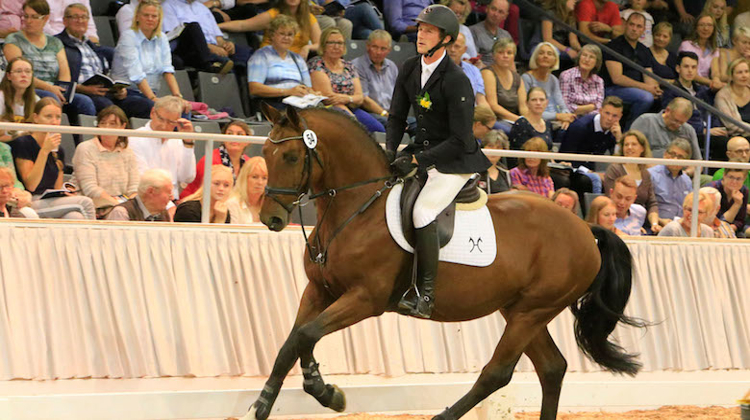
[(310, 139)]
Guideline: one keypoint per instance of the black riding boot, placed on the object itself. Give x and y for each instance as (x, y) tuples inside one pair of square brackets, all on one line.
[(427, 253)]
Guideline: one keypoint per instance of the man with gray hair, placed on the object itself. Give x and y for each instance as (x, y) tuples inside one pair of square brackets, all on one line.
[(377, 75), (174, 155), (721, 228), (150, 205), (671, 185), (660, 129)]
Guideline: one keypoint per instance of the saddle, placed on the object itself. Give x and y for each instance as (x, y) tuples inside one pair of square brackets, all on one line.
[(445, 220)]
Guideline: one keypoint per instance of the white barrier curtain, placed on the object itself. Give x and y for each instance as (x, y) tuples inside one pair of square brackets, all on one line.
[(78, 302)]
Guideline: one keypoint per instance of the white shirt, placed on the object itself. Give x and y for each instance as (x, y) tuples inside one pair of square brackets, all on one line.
[(125, 15), (428, 69), (171, 155)]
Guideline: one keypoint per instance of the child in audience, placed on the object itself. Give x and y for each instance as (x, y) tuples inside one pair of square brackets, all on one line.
[(603, 212), (17, 96), (247, 197), (191, 208)]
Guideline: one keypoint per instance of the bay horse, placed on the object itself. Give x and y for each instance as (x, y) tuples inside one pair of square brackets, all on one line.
[(547, 259)]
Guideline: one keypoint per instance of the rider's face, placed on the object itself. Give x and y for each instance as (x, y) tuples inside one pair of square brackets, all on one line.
[(428, 36)]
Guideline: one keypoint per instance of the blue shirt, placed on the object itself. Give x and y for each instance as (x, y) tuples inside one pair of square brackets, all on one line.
[(475, 77), (670, 192), (267, 67), (180, 11), (555, 101), (377, 85), (138, 58), (401, 13), (633, 222)]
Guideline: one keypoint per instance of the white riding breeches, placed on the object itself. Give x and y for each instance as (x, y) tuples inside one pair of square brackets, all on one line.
[(439, 190)]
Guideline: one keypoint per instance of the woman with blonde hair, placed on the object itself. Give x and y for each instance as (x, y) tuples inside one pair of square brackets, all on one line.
[(602, 212), (504, 88), (247, 196), (191, 208), (544, 60), (740, 49), (718, 10), (734, 98), (532, 174)]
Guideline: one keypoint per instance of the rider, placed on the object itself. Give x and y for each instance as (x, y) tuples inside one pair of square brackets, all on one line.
[(443, 102)]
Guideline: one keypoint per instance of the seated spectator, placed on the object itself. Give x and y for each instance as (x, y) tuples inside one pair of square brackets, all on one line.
[(733, 198), (504, 88), (742, 19), (462, 8), (457, 50), (307, 39), (581, 87), (717, 9), (400, 17), (690, 10), (671, 185), (58, 12), (665, 60), (11, 14), (680, 227), (490, 30), (8, 206), (338, 80), (738, 150), (596, 133), (85, 60), (660, 129), (532, 123), (532, 174), (497, 178), (105, 168), (150, 204), (326, 21), (687, 70), (740, 49), (173, 155), (639, 6), (377, 74), (599, 20), (17, 96), (247, 196), (48, 55), (563, 39), (143, 56), (39, 163), (228, 154), (630, 216), (274, 72), (20, 199), (567, 199), (603, 212), (702, 41), (484, 120), (545, 60), (734, 98), (190, 208), (626, 82), (721, 228), (364, 17), (635, 144)]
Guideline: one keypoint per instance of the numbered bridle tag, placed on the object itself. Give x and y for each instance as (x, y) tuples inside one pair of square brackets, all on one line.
[(310, 139)]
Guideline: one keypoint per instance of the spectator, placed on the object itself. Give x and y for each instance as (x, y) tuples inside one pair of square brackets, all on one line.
[(567, 199), (307, 39), (497, 177), (504, 88), (671, 185), (721, 228), (190, 209), (603, 212), (733, 198), (484, 120), (740, 49), (48, 56), (457, 50), (741, 20), (595, 134), (173, 155), (687, 70), (143, 56), (734, 98), (660, 129), (39, 163), (85, 60), (532, 124), (532, 174), (400, 16), (702, 41), (717, 9), (639, 6), (377, 74), (680, 227), (563, 39), (326, 21), (105, 168), (599, 20), (490, 30), (634, 144), (665, 60), (338, 80), (11, 12), (626, 82), (738, 150), (462, 8), (8, 207), (17, 97), (58, 12), (247, 196), (689, 11), (228, 154), (630, 216), (150, 205), (364, 17), (274, 72), (581, 87), (545, 60)]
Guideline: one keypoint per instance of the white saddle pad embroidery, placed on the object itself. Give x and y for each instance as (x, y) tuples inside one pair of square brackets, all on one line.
[(473, 241)]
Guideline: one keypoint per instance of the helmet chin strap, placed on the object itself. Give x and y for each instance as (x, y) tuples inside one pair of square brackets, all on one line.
[(441, 44)]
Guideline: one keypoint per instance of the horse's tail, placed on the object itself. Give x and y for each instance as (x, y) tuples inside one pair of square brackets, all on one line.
[(599, 310)]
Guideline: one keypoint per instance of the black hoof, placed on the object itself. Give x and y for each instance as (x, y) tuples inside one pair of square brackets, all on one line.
[(338, 399)]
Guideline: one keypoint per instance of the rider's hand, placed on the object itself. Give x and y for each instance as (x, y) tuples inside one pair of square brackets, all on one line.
[(402, 166), (390, 155)]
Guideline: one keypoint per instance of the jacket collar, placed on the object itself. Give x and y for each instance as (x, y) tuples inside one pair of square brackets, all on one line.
[(440, 69)]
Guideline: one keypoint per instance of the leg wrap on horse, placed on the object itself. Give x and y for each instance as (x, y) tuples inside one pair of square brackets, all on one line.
[(327, 395)]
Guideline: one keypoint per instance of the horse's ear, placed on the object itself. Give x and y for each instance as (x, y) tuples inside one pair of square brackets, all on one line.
[(293, 116), (272, 114)]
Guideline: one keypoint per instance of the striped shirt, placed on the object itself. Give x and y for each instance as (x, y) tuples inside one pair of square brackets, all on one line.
[(541, 185), (267, 67), (91, 64), (577, 91), (45, 62)]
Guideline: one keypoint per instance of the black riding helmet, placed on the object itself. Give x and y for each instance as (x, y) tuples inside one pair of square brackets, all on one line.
[(442, 17)]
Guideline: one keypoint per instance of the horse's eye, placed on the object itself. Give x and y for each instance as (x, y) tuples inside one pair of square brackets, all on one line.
[(291, 158)]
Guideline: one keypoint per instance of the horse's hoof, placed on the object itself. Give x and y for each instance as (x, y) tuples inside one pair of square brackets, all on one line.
[(338, 399), (445, 415), (250, 415)]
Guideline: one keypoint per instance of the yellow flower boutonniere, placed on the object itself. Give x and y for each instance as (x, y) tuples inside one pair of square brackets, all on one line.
[(424, 101)]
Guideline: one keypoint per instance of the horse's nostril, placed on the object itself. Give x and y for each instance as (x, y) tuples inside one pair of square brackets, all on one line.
[(275, 220)]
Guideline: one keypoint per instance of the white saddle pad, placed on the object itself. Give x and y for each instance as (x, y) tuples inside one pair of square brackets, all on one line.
[(473, 241)]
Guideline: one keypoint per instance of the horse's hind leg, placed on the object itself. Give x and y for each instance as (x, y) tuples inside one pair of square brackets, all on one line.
[(550, 366)]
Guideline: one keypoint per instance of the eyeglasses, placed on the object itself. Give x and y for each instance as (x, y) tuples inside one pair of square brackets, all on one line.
[(733, 178), (337, 43), (690, 210), (79, 18), (285, 34), (165, 120), (33, 17), (675, 155), (24, 71)]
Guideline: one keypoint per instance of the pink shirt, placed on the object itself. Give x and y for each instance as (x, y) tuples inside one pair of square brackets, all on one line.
[(10, 14), (57, 10), (704, 57), (541, 185)]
